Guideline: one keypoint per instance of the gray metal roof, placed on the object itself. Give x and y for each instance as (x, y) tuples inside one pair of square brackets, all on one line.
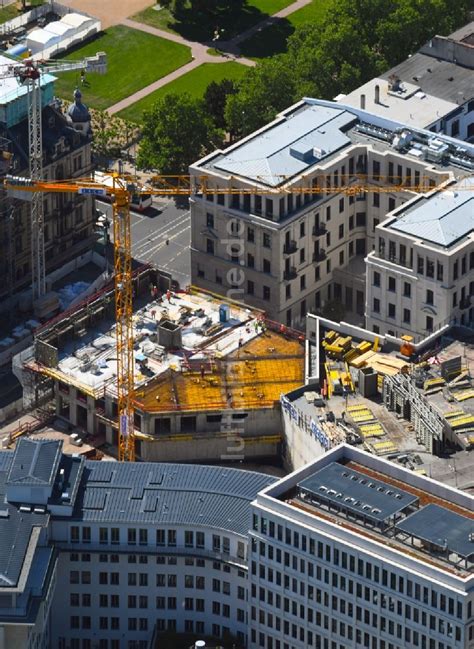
[(442, 79), (354, 491), (168, 494), (442, 219), (298, 141), (15, 532), (442, 527), (35, 462)]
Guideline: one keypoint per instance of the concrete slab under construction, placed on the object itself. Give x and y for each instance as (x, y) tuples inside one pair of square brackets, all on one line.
[(205, 369)]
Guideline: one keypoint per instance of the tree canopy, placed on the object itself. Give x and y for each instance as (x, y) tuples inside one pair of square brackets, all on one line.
[(176, 132), (355, 41)]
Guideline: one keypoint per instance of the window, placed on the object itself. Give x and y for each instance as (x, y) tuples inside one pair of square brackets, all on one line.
[(376, 308), (267, 242), (341, 205), (172, 538), (429, 297), (455, 270), (302, 229), (420, 265), (430, 268), (268, 207), (266, 266), (360, 219), (391, 310), (132, 536), (341, 258), (250, 261), (406, 316), (266, 293), (455, 128), (391, 204), (392, 284), (341, 231), (429, 323), (376, 279), (250, 235), (86, 534), (160, 537), (328, 213), (302, 282), (376, 199), (143, 537), (210, 246), (103, 535), (210, 220), (406, 289)]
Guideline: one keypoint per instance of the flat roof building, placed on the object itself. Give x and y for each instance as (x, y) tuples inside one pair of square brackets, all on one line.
[(293, 238), (363, 552), (431, 89)]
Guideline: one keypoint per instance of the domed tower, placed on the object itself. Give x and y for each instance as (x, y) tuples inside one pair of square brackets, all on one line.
[(79, 115)]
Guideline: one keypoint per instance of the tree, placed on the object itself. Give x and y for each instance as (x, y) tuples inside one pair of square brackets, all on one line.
[(359, 39), (215, 99), (265, 90), (176, 132)]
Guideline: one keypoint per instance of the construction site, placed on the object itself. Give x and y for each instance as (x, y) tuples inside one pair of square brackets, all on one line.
[(205, 370), (415, 406)]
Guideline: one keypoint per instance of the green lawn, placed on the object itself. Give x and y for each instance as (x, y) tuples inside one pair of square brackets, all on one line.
[(134, 60), (273, 39), (194, 82), (10, 11), (201, 27)]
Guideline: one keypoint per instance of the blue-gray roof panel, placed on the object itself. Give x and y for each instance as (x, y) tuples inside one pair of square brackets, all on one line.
[(442, 527), (168, 494), (291, 146), (442, 219)]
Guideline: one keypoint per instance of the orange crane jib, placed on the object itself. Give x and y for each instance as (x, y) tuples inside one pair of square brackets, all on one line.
[(121, 191)]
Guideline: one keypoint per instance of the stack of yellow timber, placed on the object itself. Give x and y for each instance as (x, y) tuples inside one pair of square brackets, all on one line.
[(433, 384), (357, 351), (337, 346), (463, 395), (371, 430), (382, 363), (383, 448)]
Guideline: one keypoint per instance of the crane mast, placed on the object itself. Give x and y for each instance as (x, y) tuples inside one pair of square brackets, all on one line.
[(124, 320)]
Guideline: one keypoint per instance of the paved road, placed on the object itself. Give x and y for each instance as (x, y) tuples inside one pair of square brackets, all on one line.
[(150, 232)]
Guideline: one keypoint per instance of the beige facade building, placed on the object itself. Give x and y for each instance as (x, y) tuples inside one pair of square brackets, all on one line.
[(291, 247)]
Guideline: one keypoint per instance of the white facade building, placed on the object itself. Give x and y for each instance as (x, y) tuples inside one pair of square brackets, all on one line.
[(420, 276), (127, 550), (290, 243), (354, 551)]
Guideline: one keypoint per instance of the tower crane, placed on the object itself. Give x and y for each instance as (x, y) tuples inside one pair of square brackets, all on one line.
[(29, 72), (121, 191)]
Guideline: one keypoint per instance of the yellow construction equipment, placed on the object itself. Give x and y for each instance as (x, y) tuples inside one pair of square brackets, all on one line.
[(121, 192)]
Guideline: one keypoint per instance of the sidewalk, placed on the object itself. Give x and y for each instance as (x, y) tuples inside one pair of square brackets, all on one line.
[(199, 52)]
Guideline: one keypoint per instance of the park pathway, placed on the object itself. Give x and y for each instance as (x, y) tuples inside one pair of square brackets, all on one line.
[(230, 50)]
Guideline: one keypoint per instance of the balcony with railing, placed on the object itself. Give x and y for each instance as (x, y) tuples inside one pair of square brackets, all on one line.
[(290, 247), (290, 273), (319, 255), (319, 229)]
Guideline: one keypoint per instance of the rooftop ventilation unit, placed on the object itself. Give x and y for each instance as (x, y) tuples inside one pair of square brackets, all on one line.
[(436, 150), (402, 140), (375, 131), (302, 152)]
